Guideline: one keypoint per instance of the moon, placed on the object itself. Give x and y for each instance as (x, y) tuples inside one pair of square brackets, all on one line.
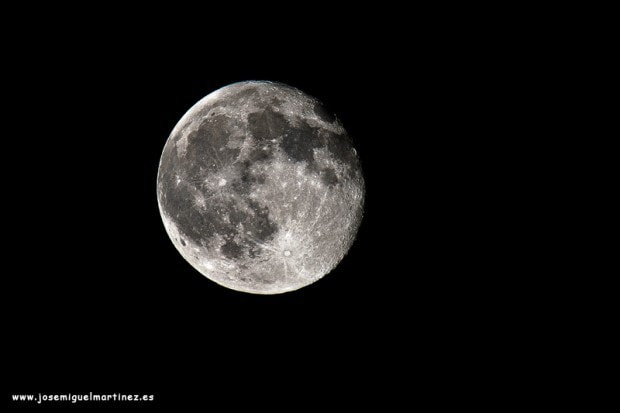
[(260, 188)]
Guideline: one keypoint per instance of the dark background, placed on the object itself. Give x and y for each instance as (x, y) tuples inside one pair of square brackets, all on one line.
[(95, 296)]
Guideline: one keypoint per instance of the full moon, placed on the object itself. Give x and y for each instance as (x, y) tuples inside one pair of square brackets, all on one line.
[(260, 188)]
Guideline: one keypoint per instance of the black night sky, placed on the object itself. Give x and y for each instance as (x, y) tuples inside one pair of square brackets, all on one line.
[(95, 296)]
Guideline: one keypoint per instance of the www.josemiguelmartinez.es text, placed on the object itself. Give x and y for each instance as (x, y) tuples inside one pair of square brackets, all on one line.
[(82, 397)]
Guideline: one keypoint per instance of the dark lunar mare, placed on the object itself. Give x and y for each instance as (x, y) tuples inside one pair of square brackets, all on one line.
[(299, 142), (206, 154)]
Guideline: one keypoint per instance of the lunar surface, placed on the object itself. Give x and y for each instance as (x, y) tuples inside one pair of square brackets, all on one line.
[(260, 188)]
